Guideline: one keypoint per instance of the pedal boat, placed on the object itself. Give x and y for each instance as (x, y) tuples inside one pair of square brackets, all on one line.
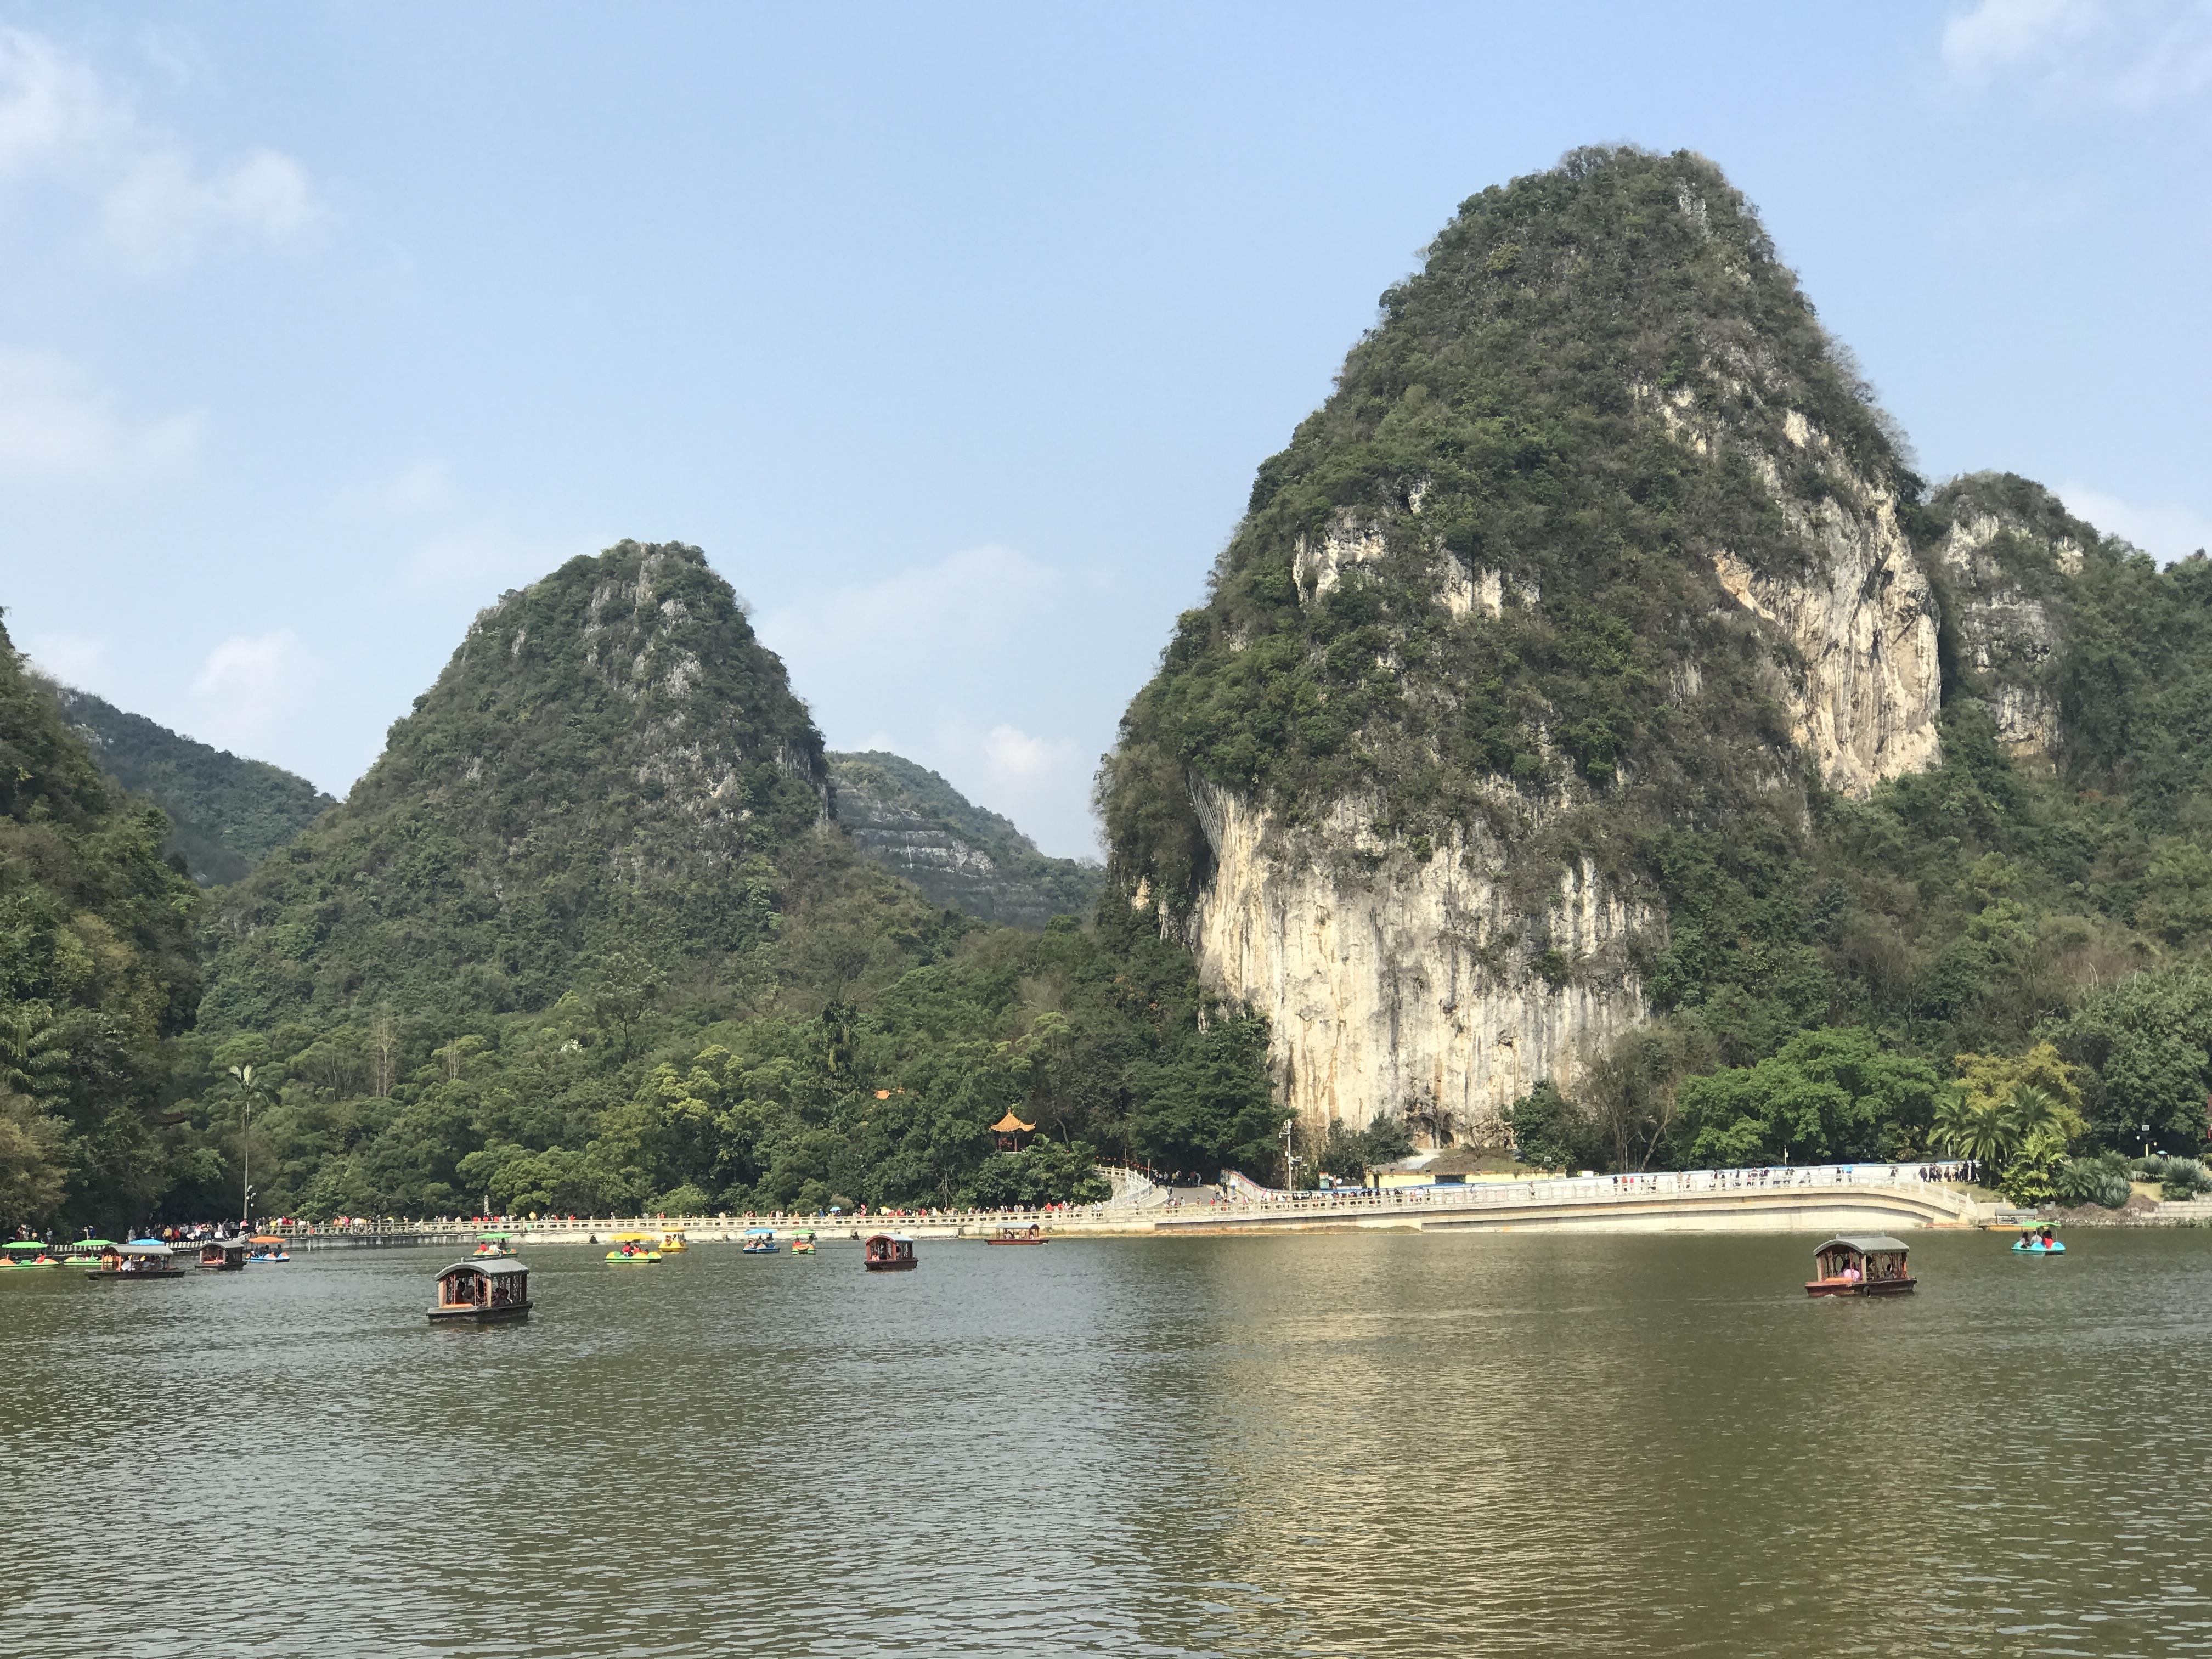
[(25, 1254), (494, 1246), (632, 1249), (268, 1247), (802, 1245), (2037, 1247), (760, 1241)]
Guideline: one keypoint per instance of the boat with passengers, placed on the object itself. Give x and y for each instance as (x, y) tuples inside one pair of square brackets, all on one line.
[(1861, 1264), (27, 1253), (135, 1259), (759, 1241)]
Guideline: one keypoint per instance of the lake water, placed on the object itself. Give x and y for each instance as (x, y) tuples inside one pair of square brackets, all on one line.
[(1340, 1444)]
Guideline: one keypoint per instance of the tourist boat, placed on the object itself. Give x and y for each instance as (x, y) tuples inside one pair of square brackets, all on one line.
[(27, 1253), (475, 1290), (2038, 1244), (633, 1247), (802, 1243), (888, 1252), (223, 1254), (760, 1241), (1861, 1264), (268, 1247), (674, 1243), (139, 1258), (494, 1245), (1031, 1234)]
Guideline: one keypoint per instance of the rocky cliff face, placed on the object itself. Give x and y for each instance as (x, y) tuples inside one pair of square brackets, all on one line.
[(1410, 987), (2006, 555), (1595, 539), (909, 820)]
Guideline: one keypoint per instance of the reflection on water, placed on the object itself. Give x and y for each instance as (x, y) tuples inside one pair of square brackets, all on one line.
[(1351, 1444)]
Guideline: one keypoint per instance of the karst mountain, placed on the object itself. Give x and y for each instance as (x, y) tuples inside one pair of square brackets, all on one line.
[(1557, 673)]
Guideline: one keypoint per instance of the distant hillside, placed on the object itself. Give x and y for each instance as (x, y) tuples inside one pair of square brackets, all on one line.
[(909, 820), (226, 814)]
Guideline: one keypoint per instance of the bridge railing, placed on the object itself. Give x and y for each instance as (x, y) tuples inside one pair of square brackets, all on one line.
[(1251, 1198)]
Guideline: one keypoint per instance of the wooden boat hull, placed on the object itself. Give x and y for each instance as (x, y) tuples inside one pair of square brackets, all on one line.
[(475, 1316), (106, 1277), (906, 1265), (1017, 1240), (1883, 1287)]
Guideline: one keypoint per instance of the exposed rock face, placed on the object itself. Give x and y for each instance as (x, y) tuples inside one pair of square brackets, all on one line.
[(1855, 609), (1411, 988), (913, 822), (2006, 558)]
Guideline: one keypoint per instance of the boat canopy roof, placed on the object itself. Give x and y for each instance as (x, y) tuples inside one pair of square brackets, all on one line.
[(495, 1266), (92, 1244), (753, 1232), (490, 1237), (630, 1238), (26, 1244), (145, 1247), (1865, 1243), (268, 1238)]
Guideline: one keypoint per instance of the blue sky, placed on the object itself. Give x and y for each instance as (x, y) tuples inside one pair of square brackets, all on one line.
[(952, 333)]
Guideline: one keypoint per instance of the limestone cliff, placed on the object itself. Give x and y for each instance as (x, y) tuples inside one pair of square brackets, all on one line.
[(2008, 551), (1598, 539), (913, 822)]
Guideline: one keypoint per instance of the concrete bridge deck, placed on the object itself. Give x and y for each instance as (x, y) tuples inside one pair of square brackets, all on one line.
[(1834, 1198)]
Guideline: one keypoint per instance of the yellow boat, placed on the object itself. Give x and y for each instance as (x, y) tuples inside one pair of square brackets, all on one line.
[(674, 1243), (633, 1247)]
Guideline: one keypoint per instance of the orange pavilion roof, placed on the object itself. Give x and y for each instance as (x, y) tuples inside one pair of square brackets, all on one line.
[(1010, 1124)]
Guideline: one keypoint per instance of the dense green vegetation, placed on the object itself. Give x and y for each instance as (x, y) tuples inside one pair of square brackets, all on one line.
[(97, 969), (225, 814), (584, 940), (915, 824)]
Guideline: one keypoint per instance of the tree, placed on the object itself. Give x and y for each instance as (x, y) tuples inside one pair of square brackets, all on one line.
[(33, 1062), (1549, 1131), (1828, 1095)]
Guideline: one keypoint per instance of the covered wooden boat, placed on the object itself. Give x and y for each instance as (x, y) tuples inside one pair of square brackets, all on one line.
[(1032, 1234), (223, 1254), (1861, 1264), (139, 1259), (473, 1290), (888, 1252)]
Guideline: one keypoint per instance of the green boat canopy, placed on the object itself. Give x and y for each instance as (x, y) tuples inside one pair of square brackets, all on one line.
[(92, 1243), (26, 1244), (487, 1238)]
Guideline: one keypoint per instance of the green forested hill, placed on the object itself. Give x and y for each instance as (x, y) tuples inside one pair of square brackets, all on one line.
[(96, 968), (586, 939), (911, 822), (226, 814)]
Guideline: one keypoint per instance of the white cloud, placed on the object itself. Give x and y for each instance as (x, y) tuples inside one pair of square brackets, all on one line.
[(249, 685), (1999, 35), (66, 129), (2132, 53), (75, 660), (2166, 532), (975, 596), (55, 423), (1018, 757)]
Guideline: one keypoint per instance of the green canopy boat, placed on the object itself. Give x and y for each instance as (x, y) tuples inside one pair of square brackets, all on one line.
[(27, 1253)]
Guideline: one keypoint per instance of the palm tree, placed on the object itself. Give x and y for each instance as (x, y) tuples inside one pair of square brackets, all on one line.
[(248, 1089), (1980, 1134), (32, 1058), (2029, 1109)]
